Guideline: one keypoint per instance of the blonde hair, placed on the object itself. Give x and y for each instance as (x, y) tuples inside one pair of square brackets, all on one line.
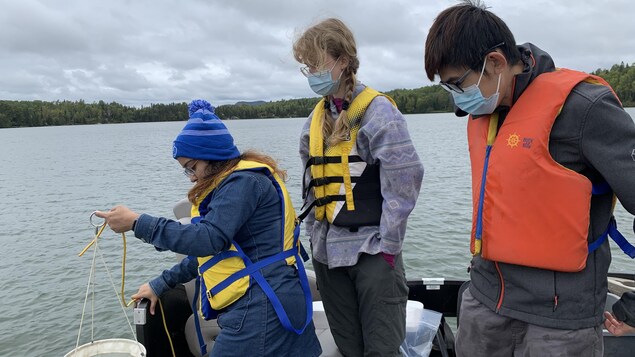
[(216, 170), (332, 37)]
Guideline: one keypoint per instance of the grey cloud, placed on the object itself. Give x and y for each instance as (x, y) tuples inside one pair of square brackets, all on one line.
[(122, 78), (142, 52)]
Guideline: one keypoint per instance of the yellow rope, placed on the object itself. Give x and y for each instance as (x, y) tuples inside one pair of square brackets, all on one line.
[(123, 262), (123, 282), (92, 241), (165, 326), (123, 272)]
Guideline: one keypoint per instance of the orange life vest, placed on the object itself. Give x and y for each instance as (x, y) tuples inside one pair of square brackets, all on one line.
[(528, 209)]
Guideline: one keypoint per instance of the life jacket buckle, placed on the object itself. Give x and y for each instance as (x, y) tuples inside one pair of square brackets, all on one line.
[(318, 160), (323, 201), (209, 294)]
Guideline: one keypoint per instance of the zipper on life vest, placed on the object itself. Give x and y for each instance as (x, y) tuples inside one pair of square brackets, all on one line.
[(502, 289)]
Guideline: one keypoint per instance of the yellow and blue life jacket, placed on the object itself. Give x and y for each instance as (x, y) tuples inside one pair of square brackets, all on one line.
[(347, 190), (225, 277)]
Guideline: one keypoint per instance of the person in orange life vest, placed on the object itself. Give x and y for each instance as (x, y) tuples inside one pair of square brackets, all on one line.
[(238, 205), (541, 140), (356, 142)]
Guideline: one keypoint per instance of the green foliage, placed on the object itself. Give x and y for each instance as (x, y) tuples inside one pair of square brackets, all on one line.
[(293, 108), (622, 78), (410, 101), (39, 113), (430, 99)]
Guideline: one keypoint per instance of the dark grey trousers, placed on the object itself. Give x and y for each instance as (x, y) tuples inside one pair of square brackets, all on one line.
[(482, 332), (365, 305)]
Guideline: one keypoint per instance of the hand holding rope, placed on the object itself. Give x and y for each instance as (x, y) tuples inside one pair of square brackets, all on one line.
[(99, 228)]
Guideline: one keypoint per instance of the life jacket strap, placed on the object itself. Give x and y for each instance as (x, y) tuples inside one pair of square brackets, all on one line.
[(199, 333), (611, 231), (321, 160), (253, 269), (320, 202), (304, 284), (250, 269), (217, 258), (277, 305), (296, 242), (321, 181), (603, 188)]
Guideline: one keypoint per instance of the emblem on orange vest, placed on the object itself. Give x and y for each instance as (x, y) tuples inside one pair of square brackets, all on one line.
[(527, 142), (513, 140)]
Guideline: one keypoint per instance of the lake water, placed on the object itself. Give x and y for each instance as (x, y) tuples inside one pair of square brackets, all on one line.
[(52, 178)]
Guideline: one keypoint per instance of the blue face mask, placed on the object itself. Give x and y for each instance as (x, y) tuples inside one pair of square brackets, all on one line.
[(472, 100), (322, 82)]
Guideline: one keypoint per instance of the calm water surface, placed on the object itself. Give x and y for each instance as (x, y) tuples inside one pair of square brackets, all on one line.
[(53, 178)]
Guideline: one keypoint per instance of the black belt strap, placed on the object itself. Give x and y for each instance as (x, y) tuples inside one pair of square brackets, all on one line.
[(320, 202), (321, 160)]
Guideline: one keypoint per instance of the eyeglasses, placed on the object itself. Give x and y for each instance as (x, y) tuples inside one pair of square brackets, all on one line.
[(456, 85), (189, 171), (306, 70)]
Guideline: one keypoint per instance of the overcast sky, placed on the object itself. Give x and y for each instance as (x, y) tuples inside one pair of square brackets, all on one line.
[(138, 52)]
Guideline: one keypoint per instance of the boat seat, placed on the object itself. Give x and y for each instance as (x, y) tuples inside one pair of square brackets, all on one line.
[(619, 286), (322, 330), (182, 209)]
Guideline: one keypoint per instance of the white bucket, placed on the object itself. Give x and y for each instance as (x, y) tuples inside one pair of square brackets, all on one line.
[(115, 347)]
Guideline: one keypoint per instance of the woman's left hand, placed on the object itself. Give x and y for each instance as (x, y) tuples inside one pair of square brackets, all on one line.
[(145, 291), (119, 218)]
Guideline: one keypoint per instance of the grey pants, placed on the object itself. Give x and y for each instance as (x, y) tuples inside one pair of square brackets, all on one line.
[(482, 332), (365, 305)]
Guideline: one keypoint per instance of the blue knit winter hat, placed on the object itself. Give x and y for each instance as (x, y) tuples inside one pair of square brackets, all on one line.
[(204, 137)]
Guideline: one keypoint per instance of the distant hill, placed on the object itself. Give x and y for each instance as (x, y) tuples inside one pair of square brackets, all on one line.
[(253, 103)]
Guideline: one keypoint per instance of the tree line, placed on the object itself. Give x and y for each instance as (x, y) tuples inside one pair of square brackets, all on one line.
[(622, 78), (429, 99)]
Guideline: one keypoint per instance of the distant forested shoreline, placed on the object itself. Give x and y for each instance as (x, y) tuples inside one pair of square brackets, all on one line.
[(429, 99)]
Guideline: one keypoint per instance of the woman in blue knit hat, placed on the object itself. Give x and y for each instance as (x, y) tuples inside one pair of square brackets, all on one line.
[(242, 245)]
